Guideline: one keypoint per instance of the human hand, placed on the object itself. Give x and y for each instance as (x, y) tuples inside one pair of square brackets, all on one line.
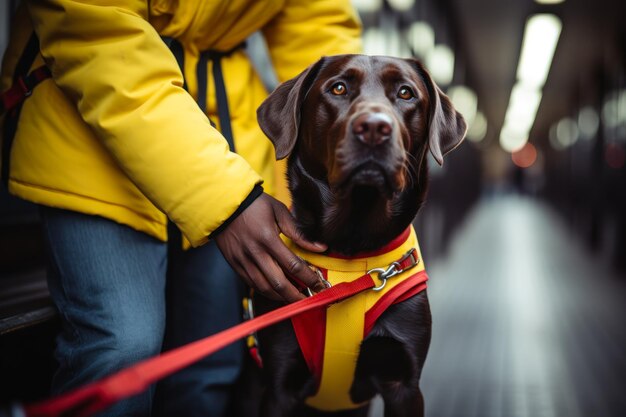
[(252, 246)]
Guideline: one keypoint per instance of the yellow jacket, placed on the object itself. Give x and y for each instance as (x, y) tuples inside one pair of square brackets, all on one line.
[(114, 133)]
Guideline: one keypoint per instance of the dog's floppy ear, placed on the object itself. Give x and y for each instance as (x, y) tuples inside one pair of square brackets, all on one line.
[(447, 127), (279, 114)]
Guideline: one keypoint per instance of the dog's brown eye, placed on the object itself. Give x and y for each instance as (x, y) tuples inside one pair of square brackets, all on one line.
[(405, 93), (339, 89)]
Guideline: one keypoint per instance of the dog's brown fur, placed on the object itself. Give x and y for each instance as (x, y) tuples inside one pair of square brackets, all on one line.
[(357, 130)]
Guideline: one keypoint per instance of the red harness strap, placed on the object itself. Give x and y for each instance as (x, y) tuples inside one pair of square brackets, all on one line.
[(99, 395), (22, 88), (310, 328), (411, 286), (329, 338)]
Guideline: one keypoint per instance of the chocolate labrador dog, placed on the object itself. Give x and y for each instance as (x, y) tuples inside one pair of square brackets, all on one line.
[(357, 130)]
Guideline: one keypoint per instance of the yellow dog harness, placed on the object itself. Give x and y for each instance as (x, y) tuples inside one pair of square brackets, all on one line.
[(330, 338)]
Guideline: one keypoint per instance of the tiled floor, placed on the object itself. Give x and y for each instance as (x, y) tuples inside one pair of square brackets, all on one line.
[(525, 322)]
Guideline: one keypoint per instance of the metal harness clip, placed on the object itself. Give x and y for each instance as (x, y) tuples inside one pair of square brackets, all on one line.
[(395, 268), (321, 278)]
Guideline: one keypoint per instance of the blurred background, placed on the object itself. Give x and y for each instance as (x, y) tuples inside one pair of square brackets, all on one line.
[(524, 230)]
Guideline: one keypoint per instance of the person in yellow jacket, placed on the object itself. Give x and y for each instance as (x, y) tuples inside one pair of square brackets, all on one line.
[(114, 146)]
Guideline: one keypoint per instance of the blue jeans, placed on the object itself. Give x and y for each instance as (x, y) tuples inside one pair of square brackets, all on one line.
[(124, 296)]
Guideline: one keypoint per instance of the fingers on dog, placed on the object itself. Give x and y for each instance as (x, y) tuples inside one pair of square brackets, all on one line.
[(287, 225), (276, 280), (297, 268), (260, 281)]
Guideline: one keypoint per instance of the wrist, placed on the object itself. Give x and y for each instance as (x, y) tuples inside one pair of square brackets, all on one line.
[(256, 192)]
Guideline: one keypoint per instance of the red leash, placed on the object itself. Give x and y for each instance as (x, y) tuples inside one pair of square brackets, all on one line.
[(99, 395)]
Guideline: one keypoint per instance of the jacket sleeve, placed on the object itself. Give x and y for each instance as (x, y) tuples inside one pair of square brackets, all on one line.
[(112, 64), (306, 30)]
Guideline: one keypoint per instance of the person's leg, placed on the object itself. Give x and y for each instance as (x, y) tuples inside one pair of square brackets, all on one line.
[(108, 283), (204, 297)]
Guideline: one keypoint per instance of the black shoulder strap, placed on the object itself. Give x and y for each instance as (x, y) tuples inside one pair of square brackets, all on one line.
[(12, 118), (223, 112), (201, 77), (179, 54), (28, 57)]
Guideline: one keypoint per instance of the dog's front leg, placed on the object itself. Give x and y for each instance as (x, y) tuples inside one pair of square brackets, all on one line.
[(287, 378), (392, 358), (287, 386), (404, 402)]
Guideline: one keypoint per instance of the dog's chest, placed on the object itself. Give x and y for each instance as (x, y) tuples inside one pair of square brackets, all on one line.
[(330, 338)]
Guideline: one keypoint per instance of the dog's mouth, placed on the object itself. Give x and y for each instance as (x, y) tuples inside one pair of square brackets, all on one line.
[(369, 177)]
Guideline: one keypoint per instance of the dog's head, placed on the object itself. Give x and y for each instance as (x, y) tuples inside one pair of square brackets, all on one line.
[(359, 128)]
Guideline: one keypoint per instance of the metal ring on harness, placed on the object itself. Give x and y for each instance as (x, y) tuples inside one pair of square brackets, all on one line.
[(322, 280), (384, 274), (395, 268)]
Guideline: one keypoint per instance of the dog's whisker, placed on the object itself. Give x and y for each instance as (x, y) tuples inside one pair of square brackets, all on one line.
[(408, 171)]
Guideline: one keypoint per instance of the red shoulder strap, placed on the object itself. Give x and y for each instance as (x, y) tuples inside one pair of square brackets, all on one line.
[(22, 88)]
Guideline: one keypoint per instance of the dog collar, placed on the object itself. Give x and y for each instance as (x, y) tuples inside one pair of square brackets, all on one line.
[(330, 338)]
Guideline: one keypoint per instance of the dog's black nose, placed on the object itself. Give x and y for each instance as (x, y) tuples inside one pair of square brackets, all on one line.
[(372, 129)]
